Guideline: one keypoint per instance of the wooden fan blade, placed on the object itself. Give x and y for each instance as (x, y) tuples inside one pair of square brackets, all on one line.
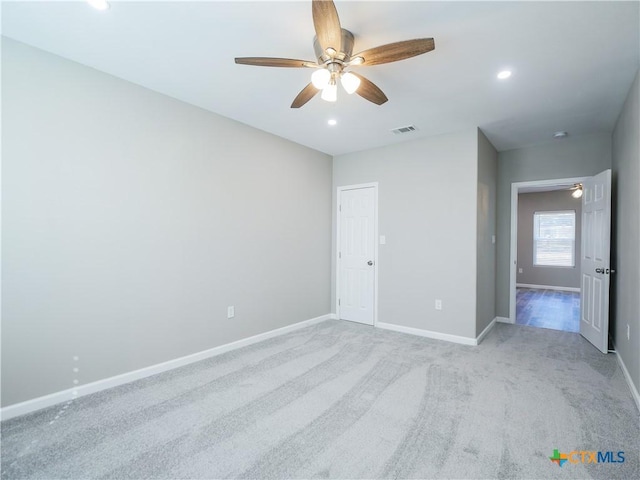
[(369, 91), (392, 52), (275, 62), (327, 24), (304, 96)]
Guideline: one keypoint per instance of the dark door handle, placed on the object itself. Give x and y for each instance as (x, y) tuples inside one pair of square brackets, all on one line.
[(369, 263), (599, 270)]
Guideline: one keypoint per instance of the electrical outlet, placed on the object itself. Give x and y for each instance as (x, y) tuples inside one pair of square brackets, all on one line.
[(519, 270), (438, 304), (231, 312), (628, 332)]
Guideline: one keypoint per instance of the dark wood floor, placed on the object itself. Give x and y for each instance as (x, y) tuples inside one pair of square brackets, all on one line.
[(548, 309)]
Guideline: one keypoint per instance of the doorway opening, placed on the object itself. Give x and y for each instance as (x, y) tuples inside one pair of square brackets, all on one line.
[(595, 247), (548, 257), (537, 303)]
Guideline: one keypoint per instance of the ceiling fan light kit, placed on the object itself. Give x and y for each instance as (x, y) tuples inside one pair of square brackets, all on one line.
[(577, 190), (350, 82), (330, 92), (320, 78), (333, 46)]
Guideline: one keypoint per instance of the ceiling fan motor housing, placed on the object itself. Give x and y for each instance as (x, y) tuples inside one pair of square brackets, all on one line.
[(344, 50)]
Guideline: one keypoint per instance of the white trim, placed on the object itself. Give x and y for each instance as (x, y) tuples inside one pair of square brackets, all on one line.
[(341, 189), (627, 377), (504, 320), (513, 253), (486, 330), (428, 333), (99, 385), (548, 287)]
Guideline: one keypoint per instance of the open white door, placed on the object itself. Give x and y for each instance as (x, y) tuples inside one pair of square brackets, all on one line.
[(356, 254), (594, 265)]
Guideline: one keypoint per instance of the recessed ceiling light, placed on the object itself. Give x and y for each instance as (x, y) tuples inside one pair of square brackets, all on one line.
[(560, 134), (504, 74), (99, 4), (332, 122)]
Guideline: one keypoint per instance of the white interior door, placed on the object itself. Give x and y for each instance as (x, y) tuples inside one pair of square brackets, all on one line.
[(356, 255), (595, 261)]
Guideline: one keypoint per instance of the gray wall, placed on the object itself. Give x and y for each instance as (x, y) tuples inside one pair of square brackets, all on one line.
[(427, 210), (578, 156), (528, 204), (626, 246), (486, 229), (131, 220)]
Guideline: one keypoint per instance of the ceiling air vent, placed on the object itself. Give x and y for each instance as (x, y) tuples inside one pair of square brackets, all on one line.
[(401, 130)]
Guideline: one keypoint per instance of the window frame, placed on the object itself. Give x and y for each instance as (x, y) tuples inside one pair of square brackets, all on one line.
[(536, 222)]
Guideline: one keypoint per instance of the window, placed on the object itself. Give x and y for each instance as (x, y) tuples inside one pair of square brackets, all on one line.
[(554, 238)]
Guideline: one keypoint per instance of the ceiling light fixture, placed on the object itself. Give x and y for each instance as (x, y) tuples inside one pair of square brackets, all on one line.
[(504, 74), (99, 4), (577, 190), (330, 92), (332, 67), (560, 134), (320, 78), (350, 82), (332, 121), (325, 79)]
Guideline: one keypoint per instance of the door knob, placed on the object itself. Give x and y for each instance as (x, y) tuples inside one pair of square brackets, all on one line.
[(599, 270), (369, 263)]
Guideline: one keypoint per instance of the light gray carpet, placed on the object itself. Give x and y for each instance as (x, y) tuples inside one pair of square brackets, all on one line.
[(341, 400)]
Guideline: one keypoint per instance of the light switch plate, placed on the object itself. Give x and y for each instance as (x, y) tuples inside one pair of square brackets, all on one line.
[(383, 240), (231, 312)]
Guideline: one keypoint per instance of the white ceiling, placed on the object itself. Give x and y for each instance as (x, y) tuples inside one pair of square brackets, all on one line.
[(573, 63)]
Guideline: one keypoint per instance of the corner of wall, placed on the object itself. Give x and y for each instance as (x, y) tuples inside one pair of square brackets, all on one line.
[(487, 167), (626, 236)]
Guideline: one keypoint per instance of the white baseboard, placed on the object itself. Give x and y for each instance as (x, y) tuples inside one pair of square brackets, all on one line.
[(486, 330), (504, 320), (29, 406), (548, 287), (627, 376), (427, 333)]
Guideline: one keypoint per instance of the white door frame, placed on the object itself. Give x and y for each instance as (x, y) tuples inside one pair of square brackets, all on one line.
[(513, 257), (373, 185)]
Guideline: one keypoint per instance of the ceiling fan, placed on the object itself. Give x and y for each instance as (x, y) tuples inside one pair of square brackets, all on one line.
[(333, 46)]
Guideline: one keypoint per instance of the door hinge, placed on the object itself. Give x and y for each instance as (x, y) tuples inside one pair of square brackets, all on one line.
[(340, 208), (338, 302), (339, 254)]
